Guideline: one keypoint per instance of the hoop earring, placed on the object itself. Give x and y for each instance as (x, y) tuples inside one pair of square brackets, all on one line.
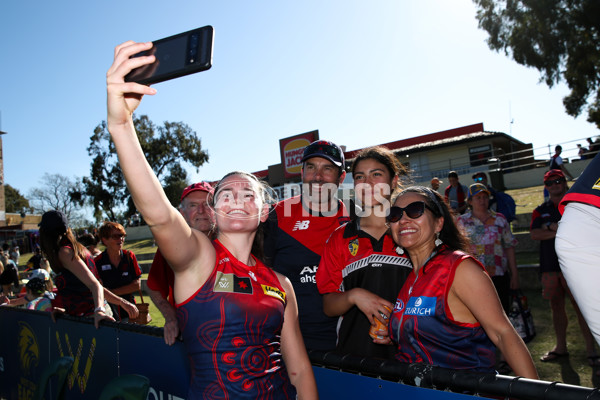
[(438, 242), (399, 250)]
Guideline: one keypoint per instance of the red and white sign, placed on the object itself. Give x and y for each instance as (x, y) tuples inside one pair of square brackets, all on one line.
[(292, 149)]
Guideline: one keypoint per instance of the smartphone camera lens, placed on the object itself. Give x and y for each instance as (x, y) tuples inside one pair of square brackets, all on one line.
[(192, 49)]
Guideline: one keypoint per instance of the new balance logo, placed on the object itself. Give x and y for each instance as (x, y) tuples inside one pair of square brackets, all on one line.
[(301, 225)]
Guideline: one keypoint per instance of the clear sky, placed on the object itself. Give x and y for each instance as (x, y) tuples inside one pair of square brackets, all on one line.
[(361, 72)]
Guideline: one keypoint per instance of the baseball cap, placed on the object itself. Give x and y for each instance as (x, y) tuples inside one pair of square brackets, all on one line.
[(477, 188), (39, 274), (452, 174), (54, 221), (436, 179), (325, 149), (202, 186), (553, 172)]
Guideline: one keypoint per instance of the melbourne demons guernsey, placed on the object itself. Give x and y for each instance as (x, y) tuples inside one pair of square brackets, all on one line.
[(424, 328), (586, 188), (294, 242), (354, 259), (231, 329)]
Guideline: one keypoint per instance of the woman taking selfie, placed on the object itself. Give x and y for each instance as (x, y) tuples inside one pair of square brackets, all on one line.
[(238, 318), (448, 313), (360, 272)]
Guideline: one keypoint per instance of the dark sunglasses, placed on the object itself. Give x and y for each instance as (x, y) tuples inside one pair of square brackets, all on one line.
[(557, 181), (413, 211), (118, 236)]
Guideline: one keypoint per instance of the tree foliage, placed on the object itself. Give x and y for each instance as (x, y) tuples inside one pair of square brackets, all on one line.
[(560, 38), (14, 201), (58, 192), (166, 148)]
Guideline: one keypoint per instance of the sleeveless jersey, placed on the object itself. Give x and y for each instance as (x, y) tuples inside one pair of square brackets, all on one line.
[(422, 323), (354, 259), (294, 242), (232, 331)]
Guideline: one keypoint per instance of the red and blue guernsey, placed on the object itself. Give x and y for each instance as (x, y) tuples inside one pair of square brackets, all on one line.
[(586, 189), (424, 328), (232, 332)]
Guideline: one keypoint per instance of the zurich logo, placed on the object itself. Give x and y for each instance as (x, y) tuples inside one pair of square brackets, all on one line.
[(418, 302), (399, 305)]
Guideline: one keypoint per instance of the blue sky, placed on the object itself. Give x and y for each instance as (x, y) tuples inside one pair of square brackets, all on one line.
[(362, 73)]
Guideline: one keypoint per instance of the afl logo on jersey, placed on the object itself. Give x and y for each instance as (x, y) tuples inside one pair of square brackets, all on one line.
[(353, 247), (596, 185), (399, 306)]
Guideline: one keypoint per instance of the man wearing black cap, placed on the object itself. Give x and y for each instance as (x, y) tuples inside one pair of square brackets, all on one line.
[(296, 233), (161, 279)]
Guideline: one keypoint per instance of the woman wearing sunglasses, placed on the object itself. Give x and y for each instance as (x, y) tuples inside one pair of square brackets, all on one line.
[(118, 268), (360, 272), (447, 313)]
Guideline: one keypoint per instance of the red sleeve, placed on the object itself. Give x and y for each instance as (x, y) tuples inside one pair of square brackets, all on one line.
[(329, 273), (136, 267), (157, 277)]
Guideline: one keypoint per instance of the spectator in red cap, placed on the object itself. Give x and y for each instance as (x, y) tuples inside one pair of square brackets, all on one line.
[(198, 215), (544, 224)]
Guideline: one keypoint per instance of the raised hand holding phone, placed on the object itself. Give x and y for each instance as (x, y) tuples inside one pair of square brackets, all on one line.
[(178, 55)]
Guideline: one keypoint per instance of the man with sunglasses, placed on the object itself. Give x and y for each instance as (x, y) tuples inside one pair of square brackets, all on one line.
[(544, 224), (296, 232)]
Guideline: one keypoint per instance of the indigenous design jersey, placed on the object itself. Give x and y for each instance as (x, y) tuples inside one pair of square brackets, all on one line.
[(72, 294), (161, 277), (232, 331), (354, 259), (424, 328), (544, 214), (586, 188), (294, 242)]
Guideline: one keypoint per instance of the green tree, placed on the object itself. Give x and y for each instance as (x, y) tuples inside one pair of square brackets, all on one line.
[(166, 148), (14, 201), (560, 38)]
